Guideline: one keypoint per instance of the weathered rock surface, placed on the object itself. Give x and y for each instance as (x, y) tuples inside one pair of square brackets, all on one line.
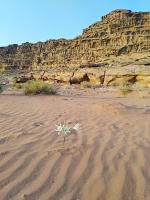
[(119, 32)]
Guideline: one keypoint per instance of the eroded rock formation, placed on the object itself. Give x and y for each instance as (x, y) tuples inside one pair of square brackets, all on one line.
[(119, 32)]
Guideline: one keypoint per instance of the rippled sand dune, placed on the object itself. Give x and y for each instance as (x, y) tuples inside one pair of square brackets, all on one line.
[(108, 160)]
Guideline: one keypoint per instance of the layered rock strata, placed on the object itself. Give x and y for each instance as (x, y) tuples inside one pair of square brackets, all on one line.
[(119, 32)]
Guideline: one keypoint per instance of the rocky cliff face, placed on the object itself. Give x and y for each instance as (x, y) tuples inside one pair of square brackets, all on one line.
[(119, 32)]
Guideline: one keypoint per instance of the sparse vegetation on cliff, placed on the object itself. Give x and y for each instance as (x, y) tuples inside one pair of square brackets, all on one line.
[(125, 88), (39, 87)]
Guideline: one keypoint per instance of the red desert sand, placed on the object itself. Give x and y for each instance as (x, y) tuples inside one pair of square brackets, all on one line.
[(108, 160)]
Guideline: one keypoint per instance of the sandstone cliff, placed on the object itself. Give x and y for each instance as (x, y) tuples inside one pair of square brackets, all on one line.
[(119, 32)]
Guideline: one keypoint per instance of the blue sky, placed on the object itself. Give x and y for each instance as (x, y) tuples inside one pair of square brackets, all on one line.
[(40, 20)]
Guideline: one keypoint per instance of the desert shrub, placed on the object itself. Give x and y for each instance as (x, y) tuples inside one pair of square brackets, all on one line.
[(15, 84), (140, 87), (15, 79), (144, 92), (1, 88), (38, 87), (85, 84), (18, 85), (125, 88), (114, 84)]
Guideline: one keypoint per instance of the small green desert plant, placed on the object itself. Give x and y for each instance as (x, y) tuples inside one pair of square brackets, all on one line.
[(125, 88), (18, 85), (38, 87), (144, 92), (114, 84), (141, 93), (85, 84), (1, 88), (15, 79), (64, 129)]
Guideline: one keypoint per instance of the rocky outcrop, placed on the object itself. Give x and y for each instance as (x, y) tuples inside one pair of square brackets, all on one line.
[(119, 32)]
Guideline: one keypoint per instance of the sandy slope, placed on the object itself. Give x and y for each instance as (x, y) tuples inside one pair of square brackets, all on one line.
[(108, 160)]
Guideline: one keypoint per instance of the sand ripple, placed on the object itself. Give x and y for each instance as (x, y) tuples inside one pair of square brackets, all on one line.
[(108, 160)]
